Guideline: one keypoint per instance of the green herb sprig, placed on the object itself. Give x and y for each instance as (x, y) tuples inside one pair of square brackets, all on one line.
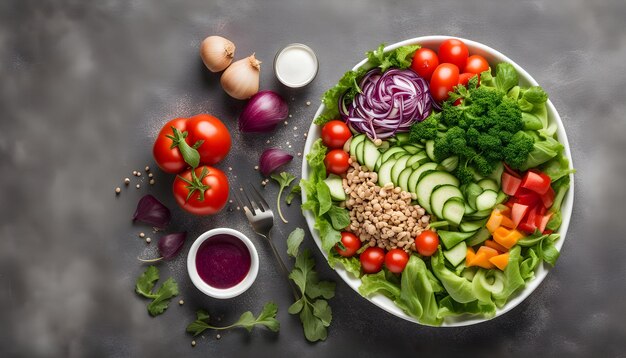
[(267, 318), (161, 298), (283, 179)]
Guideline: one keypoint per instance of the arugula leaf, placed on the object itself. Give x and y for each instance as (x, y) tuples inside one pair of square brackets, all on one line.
[(266, 318), (295, 191), (312, 307), (283, 179), (160, 299), (294, 240)]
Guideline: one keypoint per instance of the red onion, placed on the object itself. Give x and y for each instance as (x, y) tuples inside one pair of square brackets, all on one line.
[(263, 112), (169, 246), (152, 211), (272, 159), (388, 103)]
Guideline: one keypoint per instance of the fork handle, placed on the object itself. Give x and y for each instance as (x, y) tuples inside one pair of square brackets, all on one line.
[(283, 268)]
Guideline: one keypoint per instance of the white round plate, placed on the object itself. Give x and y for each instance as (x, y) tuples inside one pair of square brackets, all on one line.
[(493, 57)]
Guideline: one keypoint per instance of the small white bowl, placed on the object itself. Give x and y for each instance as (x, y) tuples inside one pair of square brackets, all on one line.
[(222, 293)]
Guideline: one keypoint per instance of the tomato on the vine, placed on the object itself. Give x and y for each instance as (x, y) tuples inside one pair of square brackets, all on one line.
[(424, 62), (455, 52), (372, 259), (188, 142), (351, 244), (335, 134), (396, 260), (336, 161), (203, 191), (427, 242)]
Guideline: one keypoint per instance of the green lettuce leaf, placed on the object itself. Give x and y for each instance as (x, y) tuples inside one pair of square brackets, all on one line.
[(350, 264), (417, 296), (459, 288), (450, 307), (513, 280), (378, 283)]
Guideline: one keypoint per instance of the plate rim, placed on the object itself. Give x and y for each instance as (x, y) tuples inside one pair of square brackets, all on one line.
[(541, 272)]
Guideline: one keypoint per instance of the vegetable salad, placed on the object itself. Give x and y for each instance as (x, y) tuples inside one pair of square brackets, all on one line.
[(478, 166)]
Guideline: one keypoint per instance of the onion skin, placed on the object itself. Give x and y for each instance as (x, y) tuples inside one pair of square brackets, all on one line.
[(263, 112), (217, 53), (241, 79), (273, 159), (151, 211)]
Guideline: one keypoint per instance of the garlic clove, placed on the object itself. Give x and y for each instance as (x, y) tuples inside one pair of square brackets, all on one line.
[(217, 53)]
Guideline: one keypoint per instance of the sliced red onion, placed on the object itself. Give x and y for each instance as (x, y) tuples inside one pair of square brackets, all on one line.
[(389, 102), (263, 112), (152, 211), (272, 159)]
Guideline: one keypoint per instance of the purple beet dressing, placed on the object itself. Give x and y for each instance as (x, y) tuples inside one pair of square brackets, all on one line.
[(223, 261)]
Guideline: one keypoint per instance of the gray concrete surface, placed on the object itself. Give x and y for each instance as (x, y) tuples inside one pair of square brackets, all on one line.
[(85, 85)]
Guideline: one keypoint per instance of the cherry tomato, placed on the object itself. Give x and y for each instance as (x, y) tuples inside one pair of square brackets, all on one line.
[(372, 259), (424, 62), (455, 52), (395, 260), (427, 242), (205, 192), (476, 64), (465, 77), (445, 77), (335, 134), (211, 131), (351, 243), (336, 161)]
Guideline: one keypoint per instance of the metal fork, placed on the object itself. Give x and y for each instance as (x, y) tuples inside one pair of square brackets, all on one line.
[(261, 219)]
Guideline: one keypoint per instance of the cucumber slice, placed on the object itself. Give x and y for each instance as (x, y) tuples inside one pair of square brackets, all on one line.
[(370, 154), (479, 237), (355, 141), (450, 163), (398, 168), (488, 184), (440, 196), (497, 174), (391, 151), (478, 215), (415, 176), (384, 145), (384, 174), (427, 184), (467, 226), (417, 158), (486, 200), (399, 155), (469, 273), (402, 137), (358, 152), (453, 210), (403, 179), (460, 267), (472, 191), (430, 149), (457, 254), (468, 209), (501, 198), (411, 149), (379, 161), (451, 238), (335, 185)]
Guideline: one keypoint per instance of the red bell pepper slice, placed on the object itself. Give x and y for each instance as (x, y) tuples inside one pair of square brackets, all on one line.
[(536, 182), (528, 197), (518, 211), (529, 225), (510, 184), (543, 222)]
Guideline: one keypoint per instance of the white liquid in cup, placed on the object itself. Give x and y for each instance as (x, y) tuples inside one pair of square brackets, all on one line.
[(296, 65)]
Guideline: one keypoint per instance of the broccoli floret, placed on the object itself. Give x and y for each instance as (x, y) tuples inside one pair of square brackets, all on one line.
[(424, 130), (451, 114), (508, 116), (516, 152), (464, 175), (483, 166), (471, 136)]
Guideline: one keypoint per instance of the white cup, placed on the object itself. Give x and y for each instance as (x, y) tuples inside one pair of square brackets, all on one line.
[(222, 293)]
